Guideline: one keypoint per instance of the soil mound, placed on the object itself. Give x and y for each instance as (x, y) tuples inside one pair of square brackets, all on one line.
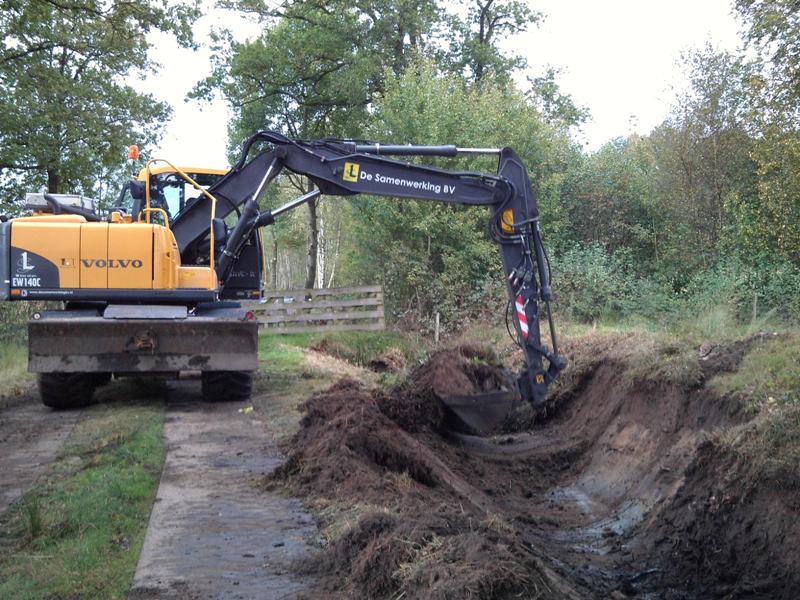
[(462, 371), (432, 556), (717, 358), (391, 361), (432, 536), (347, 448)]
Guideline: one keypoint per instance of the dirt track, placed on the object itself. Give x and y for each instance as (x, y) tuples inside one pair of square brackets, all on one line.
[(30, 437)]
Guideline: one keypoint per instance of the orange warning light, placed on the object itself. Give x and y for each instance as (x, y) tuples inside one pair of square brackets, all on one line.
[(133, 151)]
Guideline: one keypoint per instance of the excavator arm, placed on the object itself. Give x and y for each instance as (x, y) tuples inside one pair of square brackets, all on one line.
[(346, 168)]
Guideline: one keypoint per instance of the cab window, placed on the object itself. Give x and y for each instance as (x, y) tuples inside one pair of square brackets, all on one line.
[(170, 192)]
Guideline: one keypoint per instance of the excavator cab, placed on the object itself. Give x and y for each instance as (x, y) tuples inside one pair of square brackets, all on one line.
[(174, 190)]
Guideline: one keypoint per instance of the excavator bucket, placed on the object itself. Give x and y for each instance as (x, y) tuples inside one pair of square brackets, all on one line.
[(480, 413)]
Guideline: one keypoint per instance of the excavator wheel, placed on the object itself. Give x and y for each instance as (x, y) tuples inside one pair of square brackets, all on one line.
[(63, 391), (101, 379), (227, 386)]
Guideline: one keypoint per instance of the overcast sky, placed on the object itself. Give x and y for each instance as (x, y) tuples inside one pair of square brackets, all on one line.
[(618, 58)]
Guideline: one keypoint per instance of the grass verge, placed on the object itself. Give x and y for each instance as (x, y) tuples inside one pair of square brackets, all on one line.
[(769, 374), (14, 376), (78, 535), (361, 347)]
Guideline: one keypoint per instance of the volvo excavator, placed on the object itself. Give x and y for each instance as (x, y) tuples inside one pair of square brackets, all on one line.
[(156, 284)]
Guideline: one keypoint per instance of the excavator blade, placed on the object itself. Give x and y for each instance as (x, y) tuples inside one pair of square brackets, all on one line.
[(481, 413)]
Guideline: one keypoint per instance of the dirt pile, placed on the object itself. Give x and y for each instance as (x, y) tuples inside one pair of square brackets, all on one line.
[(347, 448), (391, 361), (434, 556), (462, 371), (425, 530), (622, 491)]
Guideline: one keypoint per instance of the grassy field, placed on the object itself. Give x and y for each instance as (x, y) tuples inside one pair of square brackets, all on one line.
[(78, 534)]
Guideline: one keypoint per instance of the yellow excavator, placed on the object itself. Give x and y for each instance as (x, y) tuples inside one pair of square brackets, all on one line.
[(155, 285)]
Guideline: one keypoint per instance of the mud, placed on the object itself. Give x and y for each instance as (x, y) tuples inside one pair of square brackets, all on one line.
[(725, 538), (618, 492)]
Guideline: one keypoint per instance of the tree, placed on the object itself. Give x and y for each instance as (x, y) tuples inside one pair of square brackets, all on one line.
[(65, 113), (774, 29), (608, 198), (474, 39), (556, 107), (770, 224), (314, 71), (434, 256), (704, 160)]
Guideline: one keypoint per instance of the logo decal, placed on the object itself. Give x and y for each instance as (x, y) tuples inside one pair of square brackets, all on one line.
[(23, 265), (23, 276), (351, 172), (113, 263), (507, 221)]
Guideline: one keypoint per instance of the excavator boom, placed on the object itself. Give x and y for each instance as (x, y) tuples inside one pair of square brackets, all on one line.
[(347, 168)]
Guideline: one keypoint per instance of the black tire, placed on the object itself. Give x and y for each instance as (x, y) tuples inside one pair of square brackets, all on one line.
[(63, 391), (227, 386), (101, 379)]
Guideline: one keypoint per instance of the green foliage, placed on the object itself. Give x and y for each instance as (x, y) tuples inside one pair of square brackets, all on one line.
[(65, 114), (769, 220), (556, 107), (432, 257), (80, 533), (608, 199), (768, 286), (774, 29), (593, 284), (315, 68), (703, 164)]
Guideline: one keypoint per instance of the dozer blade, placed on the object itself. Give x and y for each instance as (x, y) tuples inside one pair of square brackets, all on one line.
[(481, 413)]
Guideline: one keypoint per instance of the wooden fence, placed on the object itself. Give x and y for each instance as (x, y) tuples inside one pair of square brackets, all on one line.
[(332, 309)]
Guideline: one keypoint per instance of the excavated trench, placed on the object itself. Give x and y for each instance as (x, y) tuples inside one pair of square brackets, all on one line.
[(623, 491)]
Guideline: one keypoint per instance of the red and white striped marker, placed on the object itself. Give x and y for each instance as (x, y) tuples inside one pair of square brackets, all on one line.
[(523, 320)]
